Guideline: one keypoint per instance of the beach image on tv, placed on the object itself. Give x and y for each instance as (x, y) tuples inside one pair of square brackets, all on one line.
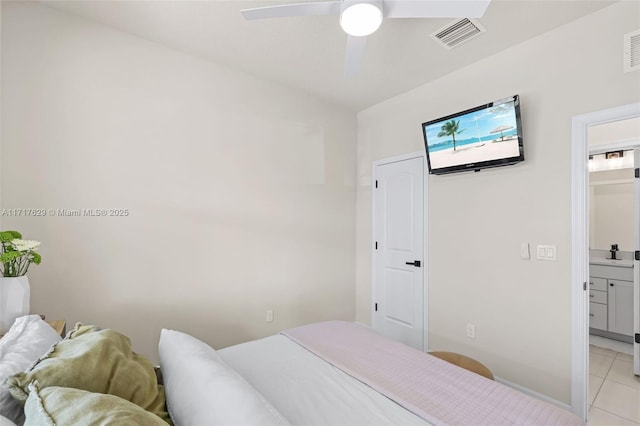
[(487, 134)]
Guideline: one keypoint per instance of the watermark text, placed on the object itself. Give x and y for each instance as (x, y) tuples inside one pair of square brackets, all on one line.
[(65, 212)]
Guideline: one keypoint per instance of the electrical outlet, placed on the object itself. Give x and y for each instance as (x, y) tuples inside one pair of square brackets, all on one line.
[(270, 315), (471, 331)]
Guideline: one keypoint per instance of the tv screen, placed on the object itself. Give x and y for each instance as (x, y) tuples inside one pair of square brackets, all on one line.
[(485, 136)]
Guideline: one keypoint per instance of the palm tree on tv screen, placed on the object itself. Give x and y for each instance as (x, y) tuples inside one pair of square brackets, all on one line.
[(451, 128)]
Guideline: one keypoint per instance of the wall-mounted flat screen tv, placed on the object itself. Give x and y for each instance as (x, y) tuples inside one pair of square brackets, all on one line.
[(485, 136)]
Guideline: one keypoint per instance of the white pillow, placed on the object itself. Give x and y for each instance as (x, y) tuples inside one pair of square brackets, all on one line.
[(26, 341), (202, 390), (5, 421)]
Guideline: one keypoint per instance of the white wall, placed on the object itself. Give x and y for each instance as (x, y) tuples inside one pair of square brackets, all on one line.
[(241, 193), (477, 221), (621, 131)]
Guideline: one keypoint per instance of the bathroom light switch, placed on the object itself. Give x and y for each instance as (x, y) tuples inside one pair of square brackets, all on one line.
[(546, 252)]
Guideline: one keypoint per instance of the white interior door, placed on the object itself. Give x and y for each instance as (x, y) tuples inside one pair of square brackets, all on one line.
[(398, 232), (636, 272)]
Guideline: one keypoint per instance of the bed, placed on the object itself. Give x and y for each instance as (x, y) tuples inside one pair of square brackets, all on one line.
[(329, 373), (318, 374)]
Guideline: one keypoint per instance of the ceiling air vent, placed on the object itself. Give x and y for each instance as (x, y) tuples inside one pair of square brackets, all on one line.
[(632, 51), (458, 32)]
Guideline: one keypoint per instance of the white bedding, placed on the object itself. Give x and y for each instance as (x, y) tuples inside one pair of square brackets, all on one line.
[(309, 391), (431, 388)]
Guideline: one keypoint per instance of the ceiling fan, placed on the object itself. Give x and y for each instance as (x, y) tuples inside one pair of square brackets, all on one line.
[(359, 18)]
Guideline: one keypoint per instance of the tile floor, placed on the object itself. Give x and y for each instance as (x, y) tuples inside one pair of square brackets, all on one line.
[(616, 345), (614, 391)]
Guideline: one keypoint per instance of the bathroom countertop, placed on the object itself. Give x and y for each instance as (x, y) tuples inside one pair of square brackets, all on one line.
[(624, 263)]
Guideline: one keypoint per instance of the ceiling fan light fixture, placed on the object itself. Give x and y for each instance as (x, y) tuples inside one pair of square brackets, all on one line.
[(361, 19)]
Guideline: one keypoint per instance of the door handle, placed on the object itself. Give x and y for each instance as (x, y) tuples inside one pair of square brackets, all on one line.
[(415, 263)]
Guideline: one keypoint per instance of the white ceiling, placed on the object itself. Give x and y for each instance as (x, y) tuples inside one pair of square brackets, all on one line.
[(307, 53)]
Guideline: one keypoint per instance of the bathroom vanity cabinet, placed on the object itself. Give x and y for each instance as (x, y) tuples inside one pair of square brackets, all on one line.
[(620, 310), (611, 301), (598, 303)]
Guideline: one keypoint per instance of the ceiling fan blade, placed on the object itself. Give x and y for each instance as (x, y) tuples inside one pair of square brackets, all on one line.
[(435, 8), (354, 55), (298, 9)]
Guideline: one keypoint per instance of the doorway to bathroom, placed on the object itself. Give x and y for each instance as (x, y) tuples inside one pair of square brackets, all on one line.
[(585, 272), (613, 216), (611, 206)]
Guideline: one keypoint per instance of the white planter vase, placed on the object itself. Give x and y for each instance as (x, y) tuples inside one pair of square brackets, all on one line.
[(15, 296)]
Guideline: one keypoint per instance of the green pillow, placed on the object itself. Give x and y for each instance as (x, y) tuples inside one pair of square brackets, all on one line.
[(96, 361), (65, 406)]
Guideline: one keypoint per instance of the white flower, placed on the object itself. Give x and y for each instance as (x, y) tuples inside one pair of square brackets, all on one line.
[(25, 245)]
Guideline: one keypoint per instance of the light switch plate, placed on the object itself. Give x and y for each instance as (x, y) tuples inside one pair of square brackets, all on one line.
[(471, 331), (546, 252)]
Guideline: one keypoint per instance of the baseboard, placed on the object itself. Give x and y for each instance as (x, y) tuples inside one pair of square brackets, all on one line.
[(610, 335), (533, 393)]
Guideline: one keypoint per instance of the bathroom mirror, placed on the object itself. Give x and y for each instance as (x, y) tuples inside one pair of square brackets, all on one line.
[(611, 209), (611, 191)]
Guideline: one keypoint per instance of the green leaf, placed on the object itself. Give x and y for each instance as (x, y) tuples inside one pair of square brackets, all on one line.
[(36, 258), (10, 256), (6, 236)]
